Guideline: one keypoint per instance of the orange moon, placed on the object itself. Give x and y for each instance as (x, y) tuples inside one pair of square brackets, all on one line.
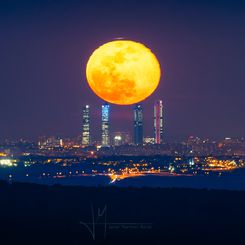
[(123, 72)]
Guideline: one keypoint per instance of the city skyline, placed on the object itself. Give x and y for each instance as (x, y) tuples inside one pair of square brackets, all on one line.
[(203, 80), (137, 131), (122, 122)]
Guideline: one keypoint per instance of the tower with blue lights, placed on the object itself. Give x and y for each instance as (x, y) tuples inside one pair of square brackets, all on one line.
[(105, 125)]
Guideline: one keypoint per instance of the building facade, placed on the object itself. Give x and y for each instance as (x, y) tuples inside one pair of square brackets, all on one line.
[(86, 138), (121, 138), (158, 122), (105, 125), (138, 124)]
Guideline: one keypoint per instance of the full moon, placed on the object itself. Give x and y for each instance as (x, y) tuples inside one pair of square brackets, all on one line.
[(123, 72)]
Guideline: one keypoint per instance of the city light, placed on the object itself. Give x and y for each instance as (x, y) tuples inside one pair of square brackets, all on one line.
[(7, 163)]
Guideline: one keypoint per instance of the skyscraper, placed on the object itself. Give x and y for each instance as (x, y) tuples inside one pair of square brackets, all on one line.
[(105, 126), (138, 124), (158, 122), (86, 140)]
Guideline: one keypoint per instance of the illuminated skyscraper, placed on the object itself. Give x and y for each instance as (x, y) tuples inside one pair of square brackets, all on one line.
[(138, 124), (158, 122), (86, 126), (105, 125)]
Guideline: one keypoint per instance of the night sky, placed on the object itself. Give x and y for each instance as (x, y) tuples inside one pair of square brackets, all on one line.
[(44, 47)]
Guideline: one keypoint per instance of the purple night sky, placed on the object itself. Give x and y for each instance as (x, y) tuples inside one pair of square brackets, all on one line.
[(45, 46)]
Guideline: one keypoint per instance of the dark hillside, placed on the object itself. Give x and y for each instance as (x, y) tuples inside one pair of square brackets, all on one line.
[(36, 214)]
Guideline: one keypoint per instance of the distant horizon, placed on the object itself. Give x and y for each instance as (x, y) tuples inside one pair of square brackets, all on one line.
[(169, 140)]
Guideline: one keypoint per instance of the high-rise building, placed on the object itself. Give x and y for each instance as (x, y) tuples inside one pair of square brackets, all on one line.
[(86, 140), (105, 126), (121, 138), (158, 122), (138, 124)]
